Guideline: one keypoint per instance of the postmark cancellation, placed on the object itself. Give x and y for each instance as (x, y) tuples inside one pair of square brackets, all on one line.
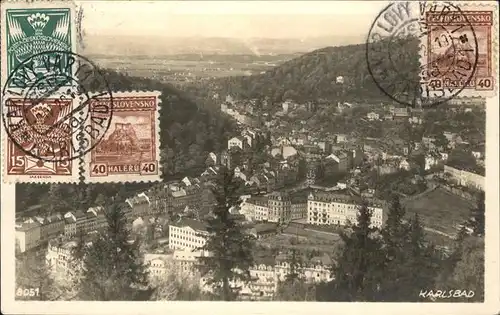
[(56, 125), (459, 48), (36, 135)]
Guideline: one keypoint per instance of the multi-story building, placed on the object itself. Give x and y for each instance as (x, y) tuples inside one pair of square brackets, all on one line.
[(50, 226), (340, 208), (261, 208), (186, 261), (186, 197), (27, 235), (247, 208), (298, 206), (343, 160), (84, 222), (180, 262), (263, 284), (100, 221), (140, 204), (316, 269), (465, 178), (69, 225), (60, 257), (239, 142), (279, 207), (158, 265), (187, 234)]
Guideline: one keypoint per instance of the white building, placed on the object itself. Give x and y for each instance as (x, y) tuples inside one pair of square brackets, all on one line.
[(373, 116), (236, 142), (187, 234), (404, 165), (248, 209), (464, 178), (159, 265), (339, 208), (255, 209), (27, 235), (430, 161), (60, 258)]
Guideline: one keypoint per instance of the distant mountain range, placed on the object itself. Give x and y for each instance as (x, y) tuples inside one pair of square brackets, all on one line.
[(158, 46)]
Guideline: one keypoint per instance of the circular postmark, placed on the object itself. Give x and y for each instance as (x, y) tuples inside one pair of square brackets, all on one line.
[(421, 54), (50, 109)]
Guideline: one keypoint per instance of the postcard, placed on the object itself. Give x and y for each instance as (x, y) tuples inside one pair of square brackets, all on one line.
[(249, 157)]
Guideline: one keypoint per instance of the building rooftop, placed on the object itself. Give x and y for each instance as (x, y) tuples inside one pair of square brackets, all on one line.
[(194, 224), (265, 227), (342, 196), (24, 227)]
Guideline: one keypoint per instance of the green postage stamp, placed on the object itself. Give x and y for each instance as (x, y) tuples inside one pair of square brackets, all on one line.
[(34, 31)]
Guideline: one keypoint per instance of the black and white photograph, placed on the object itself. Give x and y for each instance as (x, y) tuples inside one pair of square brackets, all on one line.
[(251, 151)]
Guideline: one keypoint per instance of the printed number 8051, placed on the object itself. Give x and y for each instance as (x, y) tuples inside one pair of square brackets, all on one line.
[(24, 292)]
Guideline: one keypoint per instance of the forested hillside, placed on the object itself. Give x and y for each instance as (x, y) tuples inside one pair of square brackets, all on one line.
[(313, 75)]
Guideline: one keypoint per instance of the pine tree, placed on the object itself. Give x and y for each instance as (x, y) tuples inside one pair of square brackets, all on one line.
[(30, 273), (112, 268), (395, 237), (295, 263), (230, 249), (476, 223), (55, 200), (357, 271), (421, 265), (409, 260), (100, 200), (468, 272)]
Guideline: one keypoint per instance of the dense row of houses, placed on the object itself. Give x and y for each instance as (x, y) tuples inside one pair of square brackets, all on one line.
[(37, 230), (341, 208), (265, 274), (279, 207)]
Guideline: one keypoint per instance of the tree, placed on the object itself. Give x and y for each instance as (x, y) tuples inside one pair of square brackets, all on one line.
[(295, 290), (30, 273), (100, 200), (55, 200), (358, 271), (395, 237), (230, 250), (112, 268), (462, 159), (295, 264), (410, 263), (441, 141), (468, 272), (421, 263)]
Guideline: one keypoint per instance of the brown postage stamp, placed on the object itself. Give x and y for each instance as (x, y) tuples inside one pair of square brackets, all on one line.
[(130, 149), (459, 49)]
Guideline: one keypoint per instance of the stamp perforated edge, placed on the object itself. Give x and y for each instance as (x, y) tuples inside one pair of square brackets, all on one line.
[(478, 6), (131, 177), (23, 4)]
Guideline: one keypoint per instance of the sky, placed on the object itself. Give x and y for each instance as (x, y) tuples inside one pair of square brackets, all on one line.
[(234, 19)]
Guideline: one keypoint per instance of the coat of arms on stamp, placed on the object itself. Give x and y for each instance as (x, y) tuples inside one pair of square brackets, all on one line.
[(130, 149), (31, 32)]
